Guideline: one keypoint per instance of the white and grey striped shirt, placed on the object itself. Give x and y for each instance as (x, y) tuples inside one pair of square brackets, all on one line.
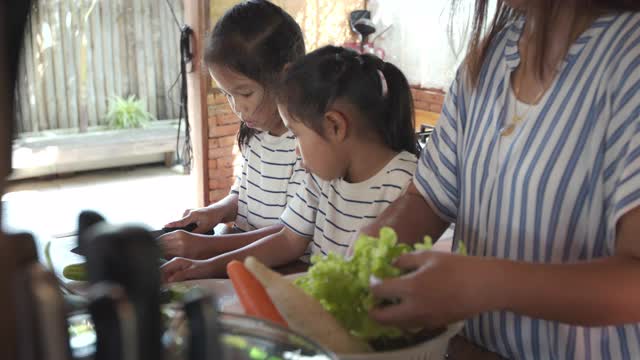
[(571, 170), (330, 213), (271, 174)]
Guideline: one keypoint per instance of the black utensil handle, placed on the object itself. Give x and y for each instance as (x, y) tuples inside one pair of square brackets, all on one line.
[(204, 343), (189, 228), (128, 256), (114, 319)]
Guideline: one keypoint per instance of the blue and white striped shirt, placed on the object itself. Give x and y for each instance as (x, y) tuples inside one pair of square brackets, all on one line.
[(570, 172), (271, 174)]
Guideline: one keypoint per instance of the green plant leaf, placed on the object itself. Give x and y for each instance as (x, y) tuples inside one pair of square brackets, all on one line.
[(127, 113)]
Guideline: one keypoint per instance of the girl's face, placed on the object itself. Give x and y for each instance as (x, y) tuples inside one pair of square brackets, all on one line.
[(321, 156), (248, 99)]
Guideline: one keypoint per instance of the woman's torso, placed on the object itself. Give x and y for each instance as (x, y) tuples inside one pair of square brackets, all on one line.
[(557, 192)]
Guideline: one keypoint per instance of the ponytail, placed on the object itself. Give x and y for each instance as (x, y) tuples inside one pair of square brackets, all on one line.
[(398, 126), (376, 88)]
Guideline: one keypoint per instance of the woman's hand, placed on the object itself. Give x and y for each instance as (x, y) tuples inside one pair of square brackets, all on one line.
[(182, 243), (205, 218), (181, 269), (440, 289)]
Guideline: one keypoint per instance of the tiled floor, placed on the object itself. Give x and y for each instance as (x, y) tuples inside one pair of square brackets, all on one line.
[(150, 195)]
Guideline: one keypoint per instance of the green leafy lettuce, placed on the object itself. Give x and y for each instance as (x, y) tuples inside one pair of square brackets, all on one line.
[(342, 286)]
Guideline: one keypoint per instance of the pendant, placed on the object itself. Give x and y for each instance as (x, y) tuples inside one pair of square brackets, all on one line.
[(516, 119), (507, 130)]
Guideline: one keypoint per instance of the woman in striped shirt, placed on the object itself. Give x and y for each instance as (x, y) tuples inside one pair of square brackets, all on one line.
[(246, 54), (536, 159)]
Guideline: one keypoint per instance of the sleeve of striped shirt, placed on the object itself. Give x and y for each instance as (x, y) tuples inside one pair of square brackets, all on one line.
[(625, 129), (295, 182), (437, 172), (300, 214), (235, 188), (627, 192)]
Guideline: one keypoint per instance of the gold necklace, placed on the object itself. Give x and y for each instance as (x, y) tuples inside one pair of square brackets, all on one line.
[(516, 118)]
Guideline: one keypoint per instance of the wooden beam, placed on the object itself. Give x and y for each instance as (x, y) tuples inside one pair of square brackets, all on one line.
[(10, 36), (196, 15)]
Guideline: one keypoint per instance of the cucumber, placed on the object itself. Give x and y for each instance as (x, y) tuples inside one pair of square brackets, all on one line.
[(77, 272)]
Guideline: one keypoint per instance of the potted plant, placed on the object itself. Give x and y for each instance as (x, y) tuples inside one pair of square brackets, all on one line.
[(127, 113)]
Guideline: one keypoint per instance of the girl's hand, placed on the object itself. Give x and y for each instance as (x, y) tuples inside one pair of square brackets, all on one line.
[(440, 289), (181, 269), (205, 218), (182, 243)]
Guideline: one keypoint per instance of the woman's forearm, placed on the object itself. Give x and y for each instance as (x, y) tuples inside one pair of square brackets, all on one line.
[(592, 293), (596, 293)]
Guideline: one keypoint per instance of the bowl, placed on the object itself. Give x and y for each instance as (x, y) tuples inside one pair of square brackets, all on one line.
[(242, 337), (432, 349)]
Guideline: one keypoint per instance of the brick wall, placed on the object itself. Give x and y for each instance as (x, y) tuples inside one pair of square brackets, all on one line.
[(428, 99), (223, 161)]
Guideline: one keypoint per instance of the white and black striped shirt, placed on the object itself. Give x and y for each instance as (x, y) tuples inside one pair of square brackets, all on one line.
[(271, 174), (330, 213)]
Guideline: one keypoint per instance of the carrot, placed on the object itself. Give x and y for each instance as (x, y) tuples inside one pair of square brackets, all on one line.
[(305, 314), (252, 295)]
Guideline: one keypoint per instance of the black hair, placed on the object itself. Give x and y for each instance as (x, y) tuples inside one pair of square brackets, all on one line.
[(312, 84), (485, 29), (256, 39)]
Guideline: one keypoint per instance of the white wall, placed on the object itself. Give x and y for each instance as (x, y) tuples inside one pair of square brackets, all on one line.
[(419, 42)]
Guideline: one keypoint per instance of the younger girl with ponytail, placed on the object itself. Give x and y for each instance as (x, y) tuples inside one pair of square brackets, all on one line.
[(352, 117)]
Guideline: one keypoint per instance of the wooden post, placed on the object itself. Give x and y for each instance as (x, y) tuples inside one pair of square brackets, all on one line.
[(196, 15), (11, 24)]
